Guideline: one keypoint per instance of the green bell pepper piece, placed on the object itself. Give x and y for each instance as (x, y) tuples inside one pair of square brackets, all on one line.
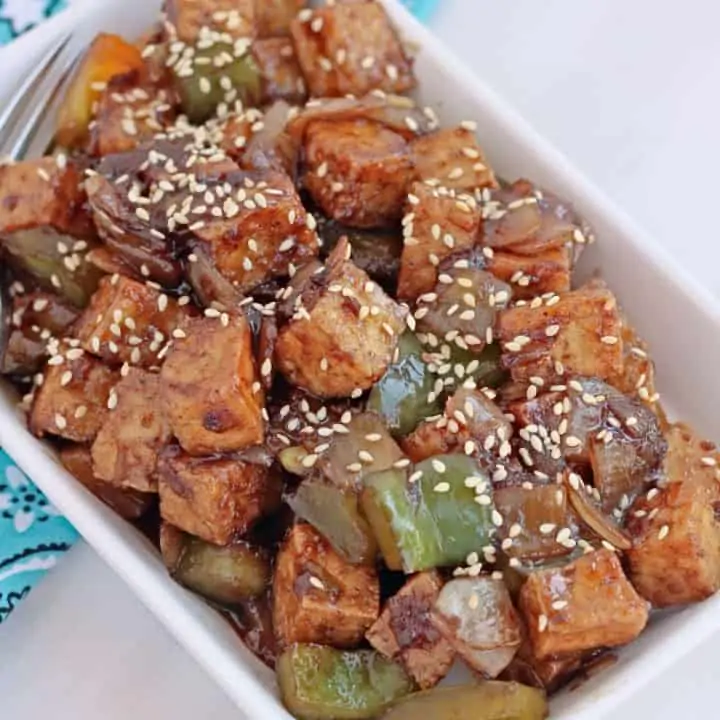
[(202, 85), (491, 700), (322, 683), (400, 397), (429, 518)]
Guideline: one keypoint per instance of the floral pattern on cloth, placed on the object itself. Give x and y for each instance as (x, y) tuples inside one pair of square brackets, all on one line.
[(33, 536)]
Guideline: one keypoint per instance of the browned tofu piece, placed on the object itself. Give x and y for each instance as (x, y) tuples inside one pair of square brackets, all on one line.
[(580, 334), (217, 499), (193, 18), (273, 17), (126, 450), (126, 502), (72, 401), (452, 157), (436, 225), (638, 373), (317, 596), (130, 322), (675, 557), (405, 631), (584, 605), (34, 318), (45, 228), (210, 389), (282, 77), (263, 231), (351, 48), (343, 331), (533, 275), (128, 113), (357, 171)]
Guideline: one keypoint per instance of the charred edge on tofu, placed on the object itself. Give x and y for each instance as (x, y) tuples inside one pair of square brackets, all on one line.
[(345, 363)]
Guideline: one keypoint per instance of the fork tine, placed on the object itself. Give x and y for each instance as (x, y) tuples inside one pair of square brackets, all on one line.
[(10, 111), (41, 100)]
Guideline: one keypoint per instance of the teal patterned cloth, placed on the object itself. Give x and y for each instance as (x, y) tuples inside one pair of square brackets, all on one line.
[(32, 534)]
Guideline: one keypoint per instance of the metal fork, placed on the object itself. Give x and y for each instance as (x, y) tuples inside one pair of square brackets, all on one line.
[(22, 115)]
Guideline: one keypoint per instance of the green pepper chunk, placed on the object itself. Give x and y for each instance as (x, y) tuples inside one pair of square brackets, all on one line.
[(335, 512), (490, 700), (484, 367), (322, 683), (39, 251), (431, 518), (400, 397), (214, 75), (227, 575)]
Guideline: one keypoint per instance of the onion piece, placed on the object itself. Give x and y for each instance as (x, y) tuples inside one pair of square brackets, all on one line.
[(596, 520)]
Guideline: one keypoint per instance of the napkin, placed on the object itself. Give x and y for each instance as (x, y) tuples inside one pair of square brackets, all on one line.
[(33, 536)]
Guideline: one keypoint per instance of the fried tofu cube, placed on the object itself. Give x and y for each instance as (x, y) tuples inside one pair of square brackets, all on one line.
[(452, 157), (130, 322), (638, 373), (533, 275), (129, 504), (675, 558), (584, 605), (126, 450), (343, 331), (128, 113), (436, 225), (317, 596), (217, 500), (273, 17), (72, 401), (357, 171), (210, 389), (581, 334), (45, 228), (282, 77), (351, 48), (405, 631), (264, 229), (192, 19), (34, 318)]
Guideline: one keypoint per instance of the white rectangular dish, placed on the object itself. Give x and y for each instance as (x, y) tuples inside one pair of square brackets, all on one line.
[(668, 310)]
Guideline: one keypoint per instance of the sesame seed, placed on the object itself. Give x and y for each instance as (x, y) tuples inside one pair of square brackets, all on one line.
[(609, 340), (438, 465), (552, 330), (60, 421), (309, 460), (709, 461), (542, 623), (415, 476), (559, 604), (442, 487), (316, 582), (663, 533)]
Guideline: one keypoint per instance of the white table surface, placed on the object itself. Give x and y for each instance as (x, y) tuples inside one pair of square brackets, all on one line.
[(629, 90)]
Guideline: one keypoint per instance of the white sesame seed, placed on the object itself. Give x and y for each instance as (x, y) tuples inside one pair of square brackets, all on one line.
[(663, 533), (438, 465)]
